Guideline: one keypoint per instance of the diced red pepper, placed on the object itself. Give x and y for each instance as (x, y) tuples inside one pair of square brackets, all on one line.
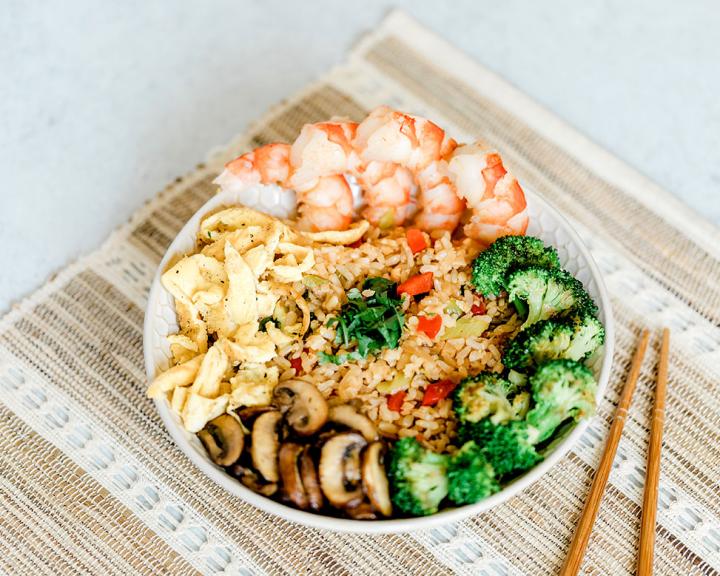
[(395, 401), (416, 240), (437, 391), (478, 309), (356, 244), (296, 363), (430, 325), (418, 284)]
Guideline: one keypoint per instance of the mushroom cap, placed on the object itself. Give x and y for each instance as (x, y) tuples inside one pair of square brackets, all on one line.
[(347, 416), (303, 405), (292, 484), (265, 445), (223, 439), (375, 481), (340, 472)]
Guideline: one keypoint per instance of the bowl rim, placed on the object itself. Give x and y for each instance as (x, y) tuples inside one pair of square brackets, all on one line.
[(394, 525)]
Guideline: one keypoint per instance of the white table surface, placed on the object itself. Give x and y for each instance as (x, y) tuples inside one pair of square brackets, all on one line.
[(102, 103)]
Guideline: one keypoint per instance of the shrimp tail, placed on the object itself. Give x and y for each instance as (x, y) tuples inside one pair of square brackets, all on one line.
[(267, 164)]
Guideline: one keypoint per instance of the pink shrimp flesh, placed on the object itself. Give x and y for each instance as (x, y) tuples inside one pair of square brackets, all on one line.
[(403, 163), (267, 164), (493, 194), (322, 149), (397, 146), (326, 206), (388, 191), (387, 135), (440, 206)]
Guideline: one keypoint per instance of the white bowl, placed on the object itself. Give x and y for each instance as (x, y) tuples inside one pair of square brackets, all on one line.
[(160, 320)]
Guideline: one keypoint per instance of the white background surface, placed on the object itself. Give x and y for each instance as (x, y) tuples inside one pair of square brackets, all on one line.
[(102, 103)]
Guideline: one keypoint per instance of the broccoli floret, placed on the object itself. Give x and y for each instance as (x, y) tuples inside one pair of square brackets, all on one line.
[(545, 340), (561, 389), (418, 478), (518, 380), (506, 446), (575, 338), (588, 336), (520, 405), (470, 476), (491, 267), (485, 395), (548, 293)]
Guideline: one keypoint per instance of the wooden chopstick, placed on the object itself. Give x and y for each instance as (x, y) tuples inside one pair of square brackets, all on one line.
[(584, 527), (652, 476)]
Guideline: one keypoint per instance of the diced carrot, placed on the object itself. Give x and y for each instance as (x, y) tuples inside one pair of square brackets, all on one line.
[(296, 363), (478, 309), (395, 401), (430, 325), (418, 284), (437, 391), (416, 240)]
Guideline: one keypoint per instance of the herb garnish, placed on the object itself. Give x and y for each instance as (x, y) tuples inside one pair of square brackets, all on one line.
[(372, 323)]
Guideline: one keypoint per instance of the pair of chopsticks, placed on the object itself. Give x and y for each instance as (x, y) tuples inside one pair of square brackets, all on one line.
[(647, 528)]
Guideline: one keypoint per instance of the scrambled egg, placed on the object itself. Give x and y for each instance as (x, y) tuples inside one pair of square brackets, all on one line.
[(246, 263)]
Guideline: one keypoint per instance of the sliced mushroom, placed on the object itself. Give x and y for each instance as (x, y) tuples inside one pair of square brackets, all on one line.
[(223, 439), (304, 407), (292, 484), (375, 480), (363, 511), (252, 480), (340, 469), (310, 480), (265, 445), (249, 413), (347, 416)]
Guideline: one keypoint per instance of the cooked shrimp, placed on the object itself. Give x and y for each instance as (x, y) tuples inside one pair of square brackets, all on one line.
[(440, 206), (393, 156), (388, 191), (322, 149), (395, 147), (267, 164), (387, 135), (326, 206), (494, 196)]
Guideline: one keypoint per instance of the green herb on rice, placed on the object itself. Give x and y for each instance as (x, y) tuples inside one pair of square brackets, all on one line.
[(368, 323)]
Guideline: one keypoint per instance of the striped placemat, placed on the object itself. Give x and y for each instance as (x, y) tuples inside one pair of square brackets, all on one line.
[(91, 483)]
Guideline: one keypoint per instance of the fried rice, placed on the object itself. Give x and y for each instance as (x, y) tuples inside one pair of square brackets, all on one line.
[(418, 358)]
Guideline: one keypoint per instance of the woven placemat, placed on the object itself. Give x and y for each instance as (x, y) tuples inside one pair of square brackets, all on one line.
[(90, 481)]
